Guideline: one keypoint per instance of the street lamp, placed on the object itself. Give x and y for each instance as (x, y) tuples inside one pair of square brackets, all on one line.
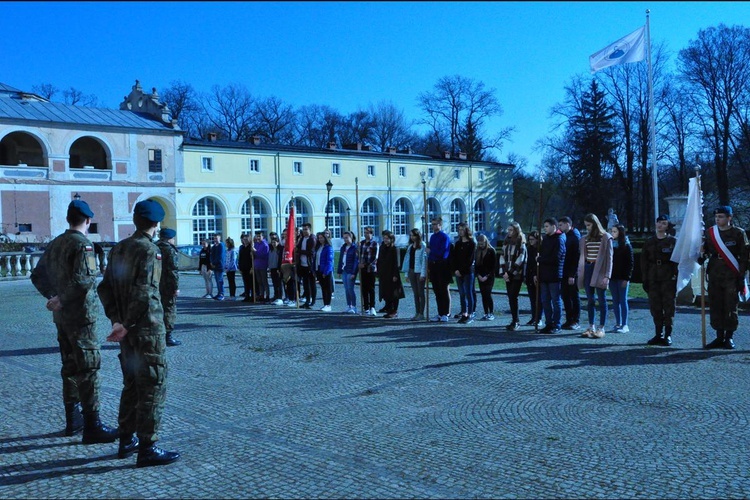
[(329, 185), (76, 196), (349, 217)]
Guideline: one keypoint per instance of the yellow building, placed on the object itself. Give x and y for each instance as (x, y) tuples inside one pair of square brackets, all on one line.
[(384, 189)]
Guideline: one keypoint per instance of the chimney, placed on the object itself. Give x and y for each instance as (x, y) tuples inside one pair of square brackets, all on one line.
[(391, 150), (331, 145), (255, 140), (364, 147), (212, 137), (461, 155), (447, 155)]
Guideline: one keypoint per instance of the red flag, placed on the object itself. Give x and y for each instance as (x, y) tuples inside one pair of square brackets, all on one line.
[(290, 235)]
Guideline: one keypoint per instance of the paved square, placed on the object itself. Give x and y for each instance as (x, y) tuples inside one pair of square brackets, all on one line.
[(274, 402)]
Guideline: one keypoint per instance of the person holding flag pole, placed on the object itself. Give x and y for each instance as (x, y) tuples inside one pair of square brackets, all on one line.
[(726, 248), (687, 249), (288, 274)]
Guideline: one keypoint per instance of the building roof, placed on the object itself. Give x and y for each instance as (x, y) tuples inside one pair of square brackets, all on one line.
[(328, 151), (17, 105)]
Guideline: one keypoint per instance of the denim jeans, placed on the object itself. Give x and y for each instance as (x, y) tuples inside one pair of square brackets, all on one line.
[(466, 292), (417, 288), (351, 296), (219, 276), (551, 303), (593, 294), (619, 291)]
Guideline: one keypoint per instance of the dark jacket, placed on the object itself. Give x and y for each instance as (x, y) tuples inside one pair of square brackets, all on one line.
[(218, 256), (204, 258), (309, 251), (387, 270), (245, 259), (488, 264), (530, 263), (572, 253), (622, 262), (552, 257), (352, 260), (462, 257)]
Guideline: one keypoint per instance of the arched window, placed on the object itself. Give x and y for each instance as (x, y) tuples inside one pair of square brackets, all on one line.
[(401, 217), (336, 217), (260, 214), (370, 215), (458, 214), (480, 216), (88, 152), (207, 220), (20, 148), (301, 212)]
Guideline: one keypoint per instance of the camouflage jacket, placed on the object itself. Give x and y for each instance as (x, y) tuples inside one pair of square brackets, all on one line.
[(130, 288), (68, 269), (655, 259), (170, 275)]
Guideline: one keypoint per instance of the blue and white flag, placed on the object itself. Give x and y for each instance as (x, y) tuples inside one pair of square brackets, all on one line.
[(628, 49), (689, 240)]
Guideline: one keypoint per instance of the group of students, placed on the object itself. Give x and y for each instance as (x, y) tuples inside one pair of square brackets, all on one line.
[(553, 266)]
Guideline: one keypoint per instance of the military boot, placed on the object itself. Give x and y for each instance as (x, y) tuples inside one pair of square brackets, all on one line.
[(94, 431), (128, 446), (718, 342), (73, 419), (149, 455), (667, 340), (171, 341), (728, 342), (658, 337)]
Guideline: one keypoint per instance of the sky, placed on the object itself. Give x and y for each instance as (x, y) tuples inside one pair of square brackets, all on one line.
[(343, 54)]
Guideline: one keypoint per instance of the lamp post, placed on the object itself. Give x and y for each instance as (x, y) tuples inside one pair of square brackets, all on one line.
[(423, 175), (329, 185), (349, 218), (76, 196)]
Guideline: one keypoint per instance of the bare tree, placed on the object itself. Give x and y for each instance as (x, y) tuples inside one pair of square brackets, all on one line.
[(356, 127), (274, 120), (716, 69), (390, 127), (182, 100), (230, 110), (74, 97), (46, 90), (317, 125), (456, 102)]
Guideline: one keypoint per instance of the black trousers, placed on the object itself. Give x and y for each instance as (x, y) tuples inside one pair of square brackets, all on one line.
[(367, 289), (276, 280), (485, 289), (232, 283), (325, 287), (532, 289), (571, 302), (307, 278), (440, 279), (247, 282), (514, 289)]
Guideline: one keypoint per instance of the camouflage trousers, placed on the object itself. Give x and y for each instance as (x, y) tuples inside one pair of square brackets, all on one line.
[(662, 300), (170, 313), (81, 360), (144, 373)]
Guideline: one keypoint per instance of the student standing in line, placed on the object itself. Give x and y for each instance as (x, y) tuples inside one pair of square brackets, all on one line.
[(347, 268), (415, 268), (622, 272), (594, 272), (463, 263), (389, 276), (531, 285), (230, 266), (486, 264), (512, 264), (324, 269)]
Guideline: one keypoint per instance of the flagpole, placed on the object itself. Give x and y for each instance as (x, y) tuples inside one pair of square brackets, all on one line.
[(294, 266), (703, 271), (252, 242), (652, 118), (358, 225), (425, 241)]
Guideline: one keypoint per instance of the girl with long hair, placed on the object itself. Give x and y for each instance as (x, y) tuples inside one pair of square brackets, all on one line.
[(463, 263), (512, 264), (622, 272), (594, 272), (485, 259), (532, 249), (415, 268)]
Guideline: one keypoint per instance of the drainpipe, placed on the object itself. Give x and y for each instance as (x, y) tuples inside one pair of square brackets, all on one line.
[(277, 176)]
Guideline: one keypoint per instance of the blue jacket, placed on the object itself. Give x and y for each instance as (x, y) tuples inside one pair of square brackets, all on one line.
[(352, 260), (218, 256), (440, 247), (572, 253), (325, 266)]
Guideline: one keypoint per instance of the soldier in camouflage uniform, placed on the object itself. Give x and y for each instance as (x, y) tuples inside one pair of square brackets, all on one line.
[(131, 299), (169, 286), (660, 280), (726, 248), (66, 276)]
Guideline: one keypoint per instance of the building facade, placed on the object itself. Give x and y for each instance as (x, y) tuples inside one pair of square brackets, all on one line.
[(51, 152), (236, 187)]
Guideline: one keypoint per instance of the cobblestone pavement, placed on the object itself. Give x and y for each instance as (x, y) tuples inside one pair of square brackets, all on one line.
[(274, 402)]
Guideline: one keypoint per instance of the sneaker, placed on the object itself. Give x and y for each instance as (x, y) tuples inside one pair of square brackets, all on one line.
[(598, 333), (615, 328), (391, 315), (464, 319), (278, 302), (208, 296), (444, 319), (373, 312), (490, 317), (623, 329), (326, 308), (458, 316), (291, 303), (437, 319), (484, 318), (531, 322), (219, 297), (353, 310), (589, 332), (419, 317)]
